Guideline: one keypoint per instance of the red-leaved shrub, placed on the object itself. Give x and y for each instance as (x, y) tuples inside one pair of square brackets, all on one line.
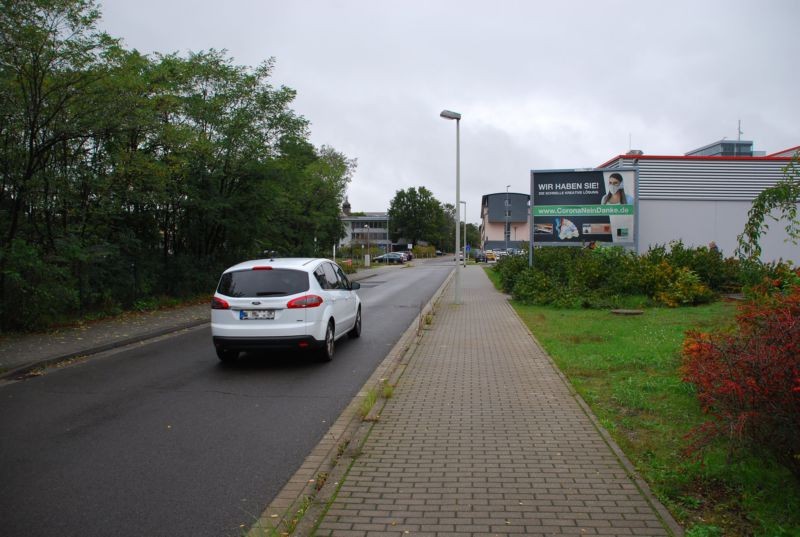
[(748, 379)]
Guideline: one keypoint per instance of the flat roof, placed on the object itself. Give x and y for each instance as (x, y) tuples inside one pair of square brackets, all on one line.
[(773, 157)]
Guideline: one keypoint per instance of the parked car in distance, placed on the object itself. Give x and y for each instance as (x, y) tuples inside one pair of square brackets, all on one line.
[(391, 257), (490, 256), (288, 303), (480, 256), (408, 254)]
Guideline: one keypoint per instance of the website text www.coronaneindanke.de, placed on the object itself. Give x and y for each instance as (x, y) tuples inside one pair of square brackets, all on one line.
[(583, 210)]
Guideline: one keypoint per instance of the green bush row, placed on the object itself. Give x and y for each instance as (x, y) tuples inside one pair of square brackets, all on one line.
[(670, 275)]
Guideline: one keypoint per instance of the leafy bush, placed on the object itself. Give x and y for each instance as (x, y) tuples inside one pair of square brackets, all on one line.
[(718, 273), (572, 277), (748, 380), (510, 267), (680, 287), (347, 266), (611, 276), (36, 293), (754, 274), (424, 251), (533, 286)]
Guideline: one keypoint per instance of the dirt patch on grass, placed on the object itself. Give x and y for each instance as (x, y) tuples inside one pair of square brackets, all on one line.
[(537, 317), (585, 338), (714, 503)]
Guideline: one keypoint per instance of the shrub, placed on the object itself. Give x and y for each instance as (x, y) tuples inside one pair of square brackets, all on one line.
[(755, 274), (509, 268), (571, 277), (683, 288), (347, 266), (608, 276), (533, 286), (424, 251), (36, 293), (716, 272), (748, 380)]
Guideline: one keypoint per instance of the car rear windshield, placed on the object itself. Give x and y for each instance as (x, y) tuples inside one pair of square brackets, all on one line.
[(275, 282)]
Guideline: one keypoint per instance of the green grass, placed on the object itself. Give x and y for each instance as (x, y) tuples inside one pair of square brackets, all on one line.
[(626, 369), (368, 402)]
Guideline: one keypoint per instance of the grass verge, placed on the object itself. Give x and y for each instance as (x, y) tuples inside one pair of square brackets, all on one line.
[(626, 369)]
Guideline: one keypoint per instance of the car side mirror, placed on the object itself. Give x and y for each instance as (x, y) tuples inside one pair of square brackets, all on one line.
[(354, 286)]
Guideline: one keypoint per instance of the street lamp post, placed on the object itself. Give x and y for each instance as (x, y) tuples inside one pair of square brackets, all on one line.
[(447, 114), (366, 236), (506, 230), (465, 233)]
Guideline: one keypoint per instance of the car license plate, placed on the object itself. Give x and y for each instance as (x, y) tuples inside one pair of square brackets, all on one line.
[(249, 315)]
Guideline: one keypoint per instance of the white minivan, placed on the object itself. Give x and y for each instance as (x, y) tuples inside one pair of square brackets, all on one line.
[(284, 303)]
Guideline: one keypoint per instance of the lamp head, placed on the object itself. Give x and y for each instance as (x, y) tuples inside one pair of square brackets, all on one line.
[(447, 114)]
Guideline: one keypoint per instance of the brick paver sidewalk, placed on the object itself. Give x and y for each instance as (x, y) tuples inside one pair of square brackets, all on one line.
[(483, 437)]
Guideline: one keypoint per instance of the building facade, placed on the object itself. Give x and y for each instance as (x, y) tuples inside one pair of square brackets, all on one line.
[(504, 221), (365, 229), (698, 198), (704, 196)]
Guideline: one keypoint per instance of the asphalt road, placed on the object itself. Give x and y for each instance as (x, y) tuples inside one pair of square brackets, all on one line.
[(164, 440)]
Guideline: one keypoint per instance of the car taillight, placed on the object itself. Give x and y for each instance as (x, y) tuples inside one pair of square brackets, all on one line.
[(307, 301), (219, 304), (262, 268)]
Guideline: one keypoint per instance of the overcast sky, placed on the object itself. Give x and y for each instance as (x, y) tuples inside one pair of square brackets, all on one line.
[(540, 85)]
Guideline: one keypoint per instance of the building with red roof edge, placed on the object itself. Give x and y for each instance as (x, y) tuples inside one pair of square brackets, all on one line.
[(704, 196)]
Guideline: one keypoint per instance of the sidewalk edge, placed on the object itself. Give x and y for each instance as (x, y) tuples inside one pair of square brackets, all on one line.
[(661, 512), (40, 364)]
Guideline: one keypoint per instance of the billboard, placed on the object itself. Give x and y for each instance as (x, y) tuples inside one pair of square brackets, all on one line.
[(577, 207)]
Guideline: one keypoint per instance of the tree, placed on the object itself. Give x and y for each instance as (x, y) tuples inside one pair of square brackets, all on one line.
[(126, 176), (415, 215), (51, 60), (783, 198), (473, 236)]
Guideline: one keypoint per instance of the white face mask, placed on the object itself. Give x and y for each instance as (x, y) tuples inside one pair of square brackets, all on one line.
[(613, 189)]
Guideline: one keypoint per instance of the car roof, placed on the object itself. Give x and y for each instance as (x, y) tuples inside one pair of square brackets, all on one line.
[(297, 263)]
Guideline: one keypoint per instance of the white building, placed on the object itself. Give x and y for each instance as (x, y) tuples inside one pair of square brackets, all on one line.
[(365, 229), (705, 195)]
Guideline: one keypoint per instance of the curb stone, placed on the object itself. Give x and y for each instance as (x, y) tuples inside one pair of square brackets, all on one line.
[(42, 364)]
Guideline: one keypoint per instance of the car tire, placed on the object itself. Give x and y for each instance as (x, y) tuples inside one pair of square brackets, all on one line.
[(226, 355), (326, 353), (356, 330)]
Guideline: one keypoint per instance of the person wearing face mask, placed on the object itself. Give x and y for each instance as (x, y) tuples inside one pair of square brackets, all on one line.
[(616, 192)]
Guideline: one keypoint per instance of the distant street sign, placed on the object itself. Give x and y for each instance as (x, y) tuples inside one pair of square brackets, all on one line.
[(467, 248)]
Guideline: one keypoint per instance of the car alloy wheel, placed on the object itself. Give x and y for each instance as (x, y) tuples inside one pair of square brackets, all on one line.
[(330, 343), (356, 330)]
